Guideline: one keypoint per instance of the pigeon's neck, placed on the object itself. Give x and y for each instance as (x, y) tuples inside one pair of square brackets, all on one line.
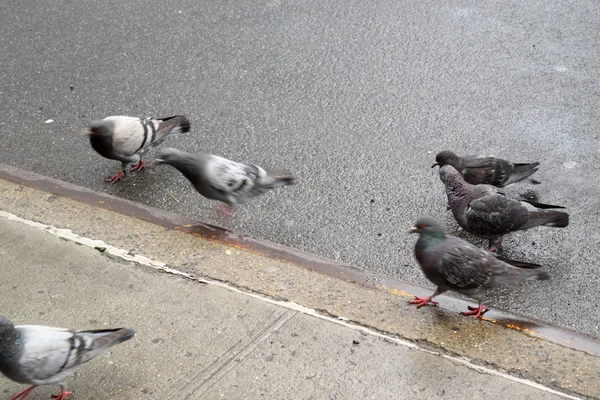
[(102, 144), (189, 168), (457, 190), (457, 164), (10, 340), (431, 239)]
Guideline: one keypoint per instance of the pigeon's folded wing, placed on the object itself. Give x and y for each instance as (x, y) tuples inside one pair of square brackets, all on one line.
[(466, 267), (46, 351), (229, 176)]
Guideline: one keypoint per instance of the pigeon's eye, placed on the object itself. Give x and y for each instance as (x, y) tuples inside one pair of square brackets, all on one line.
[(421, 226)]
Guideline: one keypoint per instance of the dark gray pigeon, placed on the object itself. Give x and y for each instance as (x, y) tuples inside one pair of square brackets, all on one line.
[(485, 211), (42, 355), (487, 170), (218, 178), (127, 139), (455, 264)]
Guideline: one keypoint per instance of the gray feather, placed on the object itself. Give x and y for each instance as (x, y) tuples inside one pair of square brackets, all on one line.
[(125, 138), (218, 178), (485, 211), (455, 264), (43, 355), (487, 170)]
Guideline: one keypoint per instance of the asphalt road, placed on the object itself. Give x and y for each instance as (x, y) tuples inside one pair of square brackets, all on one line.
[(356, 97)]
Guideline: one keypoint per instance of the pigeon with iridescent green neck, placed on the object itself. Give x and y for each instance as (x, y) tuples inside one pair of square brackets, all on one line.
[(43, 355), (455, 264)]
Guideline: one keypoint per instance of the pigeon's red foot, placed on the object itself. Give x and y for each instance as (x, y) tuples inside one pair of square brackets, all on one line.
[(137, 167), (225, 210), (115, 178), (422, 301), (476, 311), (23, 393), (62, 396), (498, 244)]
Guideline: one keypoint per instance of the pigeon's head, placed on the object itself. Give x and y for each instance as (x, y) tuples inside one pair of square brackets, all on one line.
[(425, 225), (100, 129), (450, 176), (5, 326), (446, 157), (170, 156)]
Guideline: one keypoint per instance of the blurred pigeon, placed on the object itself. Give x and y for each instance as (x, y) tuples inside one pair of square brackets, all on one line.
[(455, 264), (485, 211), (218, 178), (487, 170), (127, 139), (42, 355)]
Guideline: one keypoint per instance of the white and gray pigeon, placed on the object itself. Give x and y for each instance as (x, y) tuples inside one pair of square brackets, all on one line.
[(43, 355), (227, 181), (485, 211), (487, 170), (127, 139), (455, 264)]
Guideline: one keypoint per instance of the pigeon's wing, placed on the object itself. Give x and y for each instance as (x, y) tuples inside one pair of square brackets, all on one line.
[(49, 351), (161, 128), (229, 176), (466, 267), (491, 212), (46, 351), (488, 170), (130, 134)]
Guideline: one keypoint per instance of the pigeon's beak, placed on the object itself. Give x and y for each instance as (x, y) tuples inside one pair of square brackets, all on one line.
[(435, 164), (159, 160), (414, 229)]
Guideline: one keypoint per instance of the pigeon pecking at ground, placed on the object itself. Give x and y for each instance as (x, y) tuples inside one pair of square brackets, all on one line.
[(487, 170), (455, 264), (218, 178), (43, 355), (127, 139), (485, 211)]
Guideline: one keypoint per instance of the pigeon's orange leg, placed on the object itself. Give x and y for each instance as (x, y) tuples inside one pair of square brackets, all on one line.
[(225, 209), (138, 166), (63, 394), (498, 243), (422, 301), (115, 178), (23, 393), (476, 311)]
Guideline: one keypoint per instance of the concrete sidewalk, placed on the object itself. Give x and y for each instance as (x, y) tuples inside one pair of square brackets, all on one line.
[(217, 321), (202, 341)]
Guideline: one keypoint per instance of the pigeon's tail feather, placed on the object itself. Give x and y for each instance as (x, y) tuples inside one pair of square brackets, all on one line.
[(521, 172), (551, 218), (514, 275), (275, 178), (520, 264), (111, 336), (182, 124), (171, 126), (542, 205)]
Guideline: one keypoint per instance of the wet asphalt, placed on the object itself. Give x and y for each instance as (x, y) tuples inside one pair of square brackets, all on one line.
[(355, 97)]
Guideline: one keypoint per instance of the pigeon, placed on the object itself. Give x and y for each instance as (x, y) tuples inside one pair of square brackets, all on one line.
[(455, 264), (127, 139), (218, 178), (485, 211), (43, 355), (487, 170)]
